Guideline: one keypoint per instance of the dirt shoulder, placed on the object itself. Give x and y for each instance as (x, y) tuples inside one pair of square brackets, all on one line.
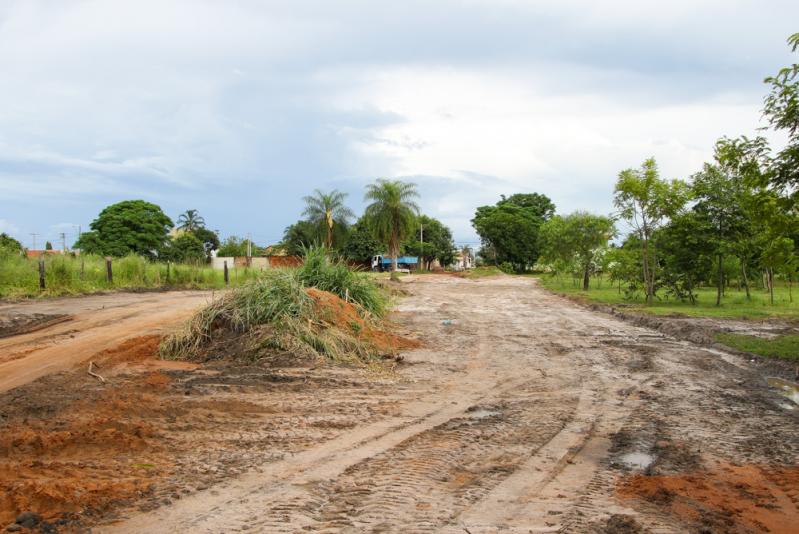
[(521, 412)]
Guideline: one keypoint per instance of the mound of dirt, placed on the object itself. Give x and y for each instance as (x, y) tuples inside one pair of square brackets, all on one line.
[(729, 498), (343, 315)]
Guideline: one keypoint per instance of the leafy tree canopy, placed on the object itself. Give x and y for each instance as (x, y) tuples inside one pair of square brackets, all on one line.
[(185, 248), (190, 220), (300, 236), (9, 244), (431, 240), (509, 230), (328, 213), (235, 246), (361, 244), (130, 226)]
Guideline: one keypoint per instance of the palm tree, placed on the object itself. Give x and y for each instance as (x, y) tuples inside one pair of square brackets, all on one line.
[(190, 220), (327, 210), (392, 212)]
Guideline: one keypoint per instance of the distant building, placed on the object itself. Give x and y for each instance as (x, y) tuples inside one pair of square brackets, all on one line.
[(36, 253)]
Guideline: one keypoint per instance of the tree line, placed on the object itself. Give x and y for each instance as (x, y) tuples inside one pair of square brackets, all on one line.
[(736, 219), (391, 224)]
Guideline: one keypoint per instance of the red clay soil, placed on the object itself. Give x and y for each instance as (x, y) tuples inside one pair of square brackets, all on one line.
[(344, 315), (85, 457), (730, 498), (95, 451)]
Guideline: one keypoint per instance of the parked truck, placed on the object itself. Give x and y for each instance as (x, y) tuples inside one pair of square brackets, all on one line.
[(404, 263)]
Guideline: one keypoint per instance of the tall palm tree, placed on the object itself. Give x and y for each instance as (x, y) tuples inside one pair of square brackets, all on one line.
[(327, 210), (190, 220), (392, 212)]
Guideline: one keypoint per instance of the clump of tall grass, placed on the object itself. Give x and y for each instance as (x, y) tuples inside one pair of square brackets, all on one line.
[(272, 312), (329, 273)]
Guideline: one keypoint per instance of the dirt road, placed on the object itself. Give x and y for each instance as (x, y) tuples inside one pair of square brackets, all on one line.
[(523, 413), (85, 326)]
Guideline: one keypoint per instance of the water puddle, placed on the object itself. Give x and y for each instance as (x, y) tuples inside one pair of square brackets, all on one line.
[(785, 388), (481, 413), (637, 460)]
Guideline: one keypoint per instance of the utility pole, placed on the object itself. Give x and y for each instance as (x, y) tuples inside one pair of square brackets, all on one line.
[(34, 240), (63, 242), (249, 244), (421, 249)]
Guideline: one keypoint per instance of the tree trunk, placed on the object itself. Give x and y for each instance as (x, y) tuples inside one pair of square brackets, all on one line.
[(720, 281), (586, 277), (690, 290), (329, 236), (745, 279), (770, 274), (394, 251)]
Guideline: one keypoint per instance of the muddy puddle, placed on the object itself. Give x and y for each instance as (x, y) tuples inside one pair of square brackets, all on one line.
[(787, 389), (637, 460)]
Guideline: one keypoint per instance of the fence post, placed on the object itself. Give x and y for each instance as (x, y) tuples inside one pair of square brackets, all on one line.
[(109, 273), (227, 276), (81, 267), (168, 263), (41, 274)]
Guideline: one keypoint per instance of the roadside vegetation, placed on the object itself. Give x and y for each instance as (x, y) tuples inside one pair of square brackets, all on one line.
[(786, 347), (321, 309), (735, 304)]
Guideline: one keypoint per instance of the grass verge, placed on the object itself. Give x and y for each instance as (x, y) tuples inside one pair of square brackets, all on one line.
[(785, 347), (733, 306), (67, 275)]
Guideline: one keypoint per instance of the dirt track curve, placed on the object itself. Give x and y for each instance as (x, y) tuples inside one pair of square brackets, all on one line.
[(527, 413), (88, 325)]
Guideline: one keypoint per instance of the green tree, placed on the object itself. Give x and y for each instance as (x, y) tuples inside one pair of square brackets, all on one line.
[(580, 236), (327, 210), (9, 244), (130, 226), (509, 230), (646, 202), (235, 246), (431, 240), (361, 244), (208, 238), (719, 202), (782, 111), (186, 248), (299, 237), (48, 245), (190, 220), (684, 254), (391, 213)]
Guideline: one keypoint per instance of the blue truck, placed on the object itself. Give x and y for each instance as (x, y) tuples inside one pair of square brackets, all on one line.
[(404, 263)]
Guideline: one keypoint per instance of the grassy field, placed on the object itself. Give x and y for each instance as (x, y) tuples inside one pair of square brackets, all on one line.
[(733, 305), (66, 275)]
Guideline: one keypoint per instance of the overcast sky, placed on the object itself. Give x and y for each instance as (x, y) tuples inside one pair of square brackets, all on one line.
[(239, 108)]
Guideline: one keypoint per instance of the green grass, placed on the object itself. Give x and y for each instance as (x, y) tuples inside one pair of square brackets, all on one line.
[(786, 347), (274, 312), (733, 305), (67, 275)]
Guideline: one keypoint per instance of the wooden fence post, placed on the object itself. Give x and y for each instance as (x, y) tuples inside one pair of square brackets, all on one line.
[(109, 273), (41, 274), (227, 276), (167, 271)]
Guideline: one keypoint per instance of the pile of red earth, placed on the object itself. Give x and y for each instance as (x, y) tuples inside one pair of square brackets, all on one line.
[(343, 315)]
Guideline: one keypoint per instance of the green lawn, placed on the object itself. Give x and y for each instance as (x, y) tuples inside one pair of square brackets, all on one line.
[(733, 305), (786, 347)]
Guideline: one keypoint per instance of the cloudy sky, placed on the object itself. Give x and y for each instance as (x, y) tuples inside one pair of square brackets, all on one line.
[(239, 108)]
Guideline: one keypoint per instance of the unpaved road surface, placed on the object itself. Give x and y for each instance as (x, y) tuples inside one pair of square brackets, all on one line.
[(522, 412), (85, 325), (530, 414)]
